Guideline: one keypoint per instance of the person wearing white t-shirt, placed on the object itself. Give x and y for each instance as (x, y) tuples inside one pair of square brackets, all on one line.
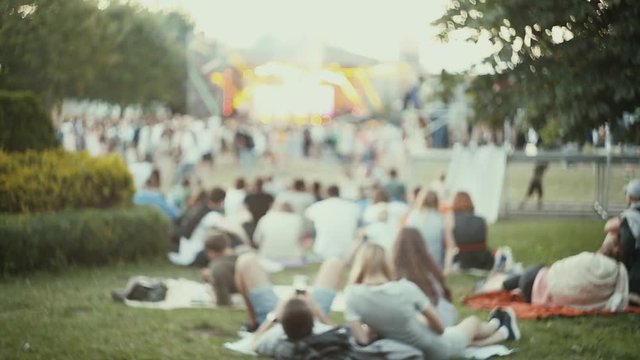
[(297, 197), (335, 221), (234, 201), (278, 234), (381, 232), (396, 210)]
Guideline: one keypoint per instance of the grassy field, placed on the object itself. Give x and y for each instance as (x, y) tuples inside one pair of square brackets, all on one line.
[(573, 184), (70, 315)]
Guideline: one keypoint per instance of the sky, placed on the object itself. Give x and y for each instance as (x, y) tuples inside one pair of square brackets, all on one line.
[(376, 28)]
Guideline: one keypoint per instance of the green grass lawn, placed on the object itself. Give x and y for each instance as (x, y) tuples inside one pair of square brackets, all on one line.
[(70, 315), (574, 184)]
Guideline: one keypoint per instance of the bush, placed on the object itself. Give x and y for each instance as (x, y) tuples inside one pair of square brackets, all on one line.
[(56, 180), (24, 123), (89, 237)]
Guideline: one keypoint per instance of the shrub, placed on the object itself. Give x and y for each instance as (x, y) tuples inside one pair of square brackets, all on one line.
[(55, 180), (89, 237), (24, 123)]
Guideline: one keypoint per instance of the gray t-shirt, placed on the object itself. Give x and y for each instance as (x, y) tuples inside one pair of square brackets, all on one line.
[(430, 224), (391, 310)]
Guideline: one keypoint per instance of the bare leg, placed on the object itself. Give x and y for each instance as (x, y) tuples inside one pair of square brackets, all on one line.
[(249, 275), (481, 333), (495, 338), (331, 274)]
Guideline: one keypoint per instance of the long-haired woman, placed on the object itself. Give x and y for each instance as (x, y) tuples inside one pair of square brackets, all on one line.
[(470, 234), (412, 261), (399, 310)]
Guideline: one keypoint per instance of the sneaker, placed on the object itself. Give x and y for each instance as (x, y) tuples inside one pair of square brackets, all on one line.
[(507, 319), (248, 327)]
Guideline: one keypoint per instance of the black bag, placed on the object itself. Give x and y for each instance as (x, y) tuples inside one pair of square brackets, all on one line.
[(141, 288), (330, 345)]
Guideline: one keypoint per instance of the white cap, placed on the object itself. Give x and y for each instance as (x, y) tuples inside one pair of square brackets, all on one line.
[(633, 189)]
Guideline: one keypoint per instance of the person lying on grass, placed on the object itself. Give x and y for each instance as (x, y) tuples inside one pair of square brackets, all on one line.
[(303, 314), (399, 310), (586, 281), (412, 261)]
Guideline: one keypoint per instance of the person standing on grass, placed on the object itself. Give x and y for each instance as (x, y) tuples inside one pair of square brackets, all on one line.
[(535, 185)]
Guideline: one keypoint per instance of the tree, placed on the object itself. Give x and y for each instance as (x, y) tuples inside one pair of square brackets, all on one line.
[(71, 48), (52, 48), (574, 61), (146, 59)]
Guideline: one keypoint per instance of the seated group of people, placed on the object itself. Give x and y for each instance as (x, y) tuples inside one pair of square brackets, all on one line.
[(401, 294), (277, 226)]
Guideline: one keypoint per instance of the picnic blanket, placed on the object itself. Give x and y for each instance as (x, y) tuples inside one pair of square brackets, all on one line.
[(523, 310), (187, 294), (244, 345)]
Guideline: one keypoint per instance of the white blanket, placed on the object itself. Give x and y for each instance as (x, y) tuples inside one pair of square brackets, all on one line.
[(244, 346), (186, 294)]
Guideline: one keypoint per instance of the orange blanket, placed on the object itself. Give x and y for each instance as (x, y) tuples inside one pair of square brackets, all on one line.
[(524, 310)]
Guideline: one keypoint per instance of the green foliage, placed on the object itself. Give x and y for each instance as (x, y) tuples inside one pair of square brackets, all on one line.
[(87, 237), (576, 61), (147, 58), (550, 133), (24, 124), (55, 180), (72, 49), (448, 83)]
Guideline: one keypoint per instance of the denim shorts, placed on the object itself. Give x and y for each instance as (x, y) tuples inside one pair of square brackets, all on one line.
[(323, 297), (264, 300)]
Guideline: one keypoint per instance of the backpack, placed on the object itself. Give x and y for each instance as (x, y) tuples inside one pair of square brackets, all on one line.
[(330, 345), (630, 254)]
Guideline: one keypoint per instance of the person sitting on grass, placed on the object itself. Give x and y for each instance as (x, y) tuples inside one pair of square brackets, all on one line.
[(399, 310), (623, 238), (278, 235), (222, 267), (191, 249), (427, 219), (413, 262), (470, 235), (152, 195)]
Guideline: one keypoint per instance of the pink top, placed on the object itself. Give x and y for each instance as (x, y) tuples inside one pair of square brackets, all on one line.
[(540, 292)]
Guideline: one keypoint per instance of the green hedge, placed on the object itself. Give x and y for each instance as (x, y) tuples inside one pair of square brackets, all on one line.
[(88, 237), (55, 180), (24, 123)]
